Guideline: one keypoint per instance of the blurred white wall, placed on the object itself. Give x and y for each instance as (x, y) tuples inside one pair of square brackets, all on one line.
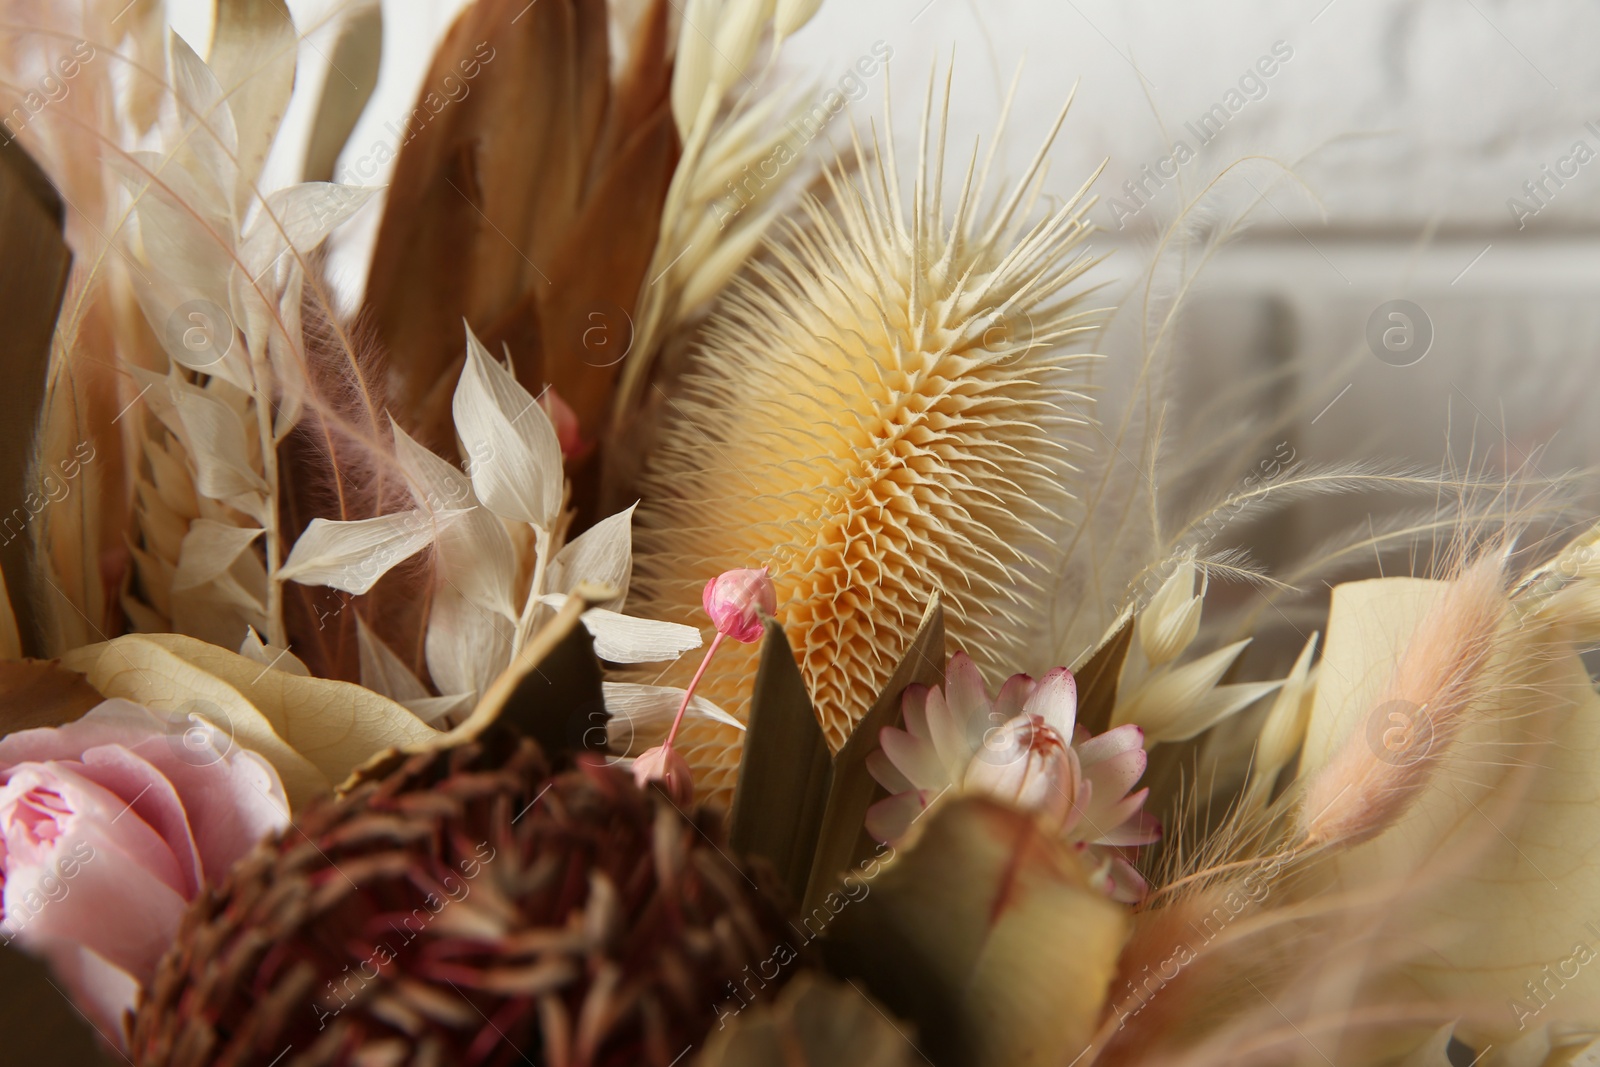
[(1412, 127)]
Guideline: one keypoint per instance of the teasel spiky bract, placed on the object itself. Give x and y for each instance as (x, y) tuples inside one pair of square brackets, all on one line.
[(882, 408)]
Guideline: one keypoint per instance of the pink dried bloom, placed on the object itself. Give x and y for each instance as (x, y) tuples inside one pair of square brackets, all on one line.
[(663, 764), (109, 827), (738, 601), (1015, 748)]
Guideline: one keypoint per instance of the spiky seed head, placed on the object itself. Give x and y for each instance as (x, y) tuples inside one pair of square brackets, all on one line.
[(879, 409)]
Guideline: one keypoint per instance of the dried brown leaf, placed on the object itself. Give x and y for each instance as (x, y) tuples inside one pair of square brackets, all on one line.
[(42, 693), (33, 277), (526, 206), (986, 934), (785, 773)]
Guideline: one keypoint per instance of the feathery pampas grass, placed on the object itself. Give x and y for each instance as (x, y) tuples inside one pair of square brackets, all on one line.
[(881, 408)]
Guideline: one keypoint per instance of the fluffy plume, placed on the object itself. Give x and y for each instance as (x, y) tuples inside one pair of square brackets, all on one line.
[(881, 409), (1364, 787)]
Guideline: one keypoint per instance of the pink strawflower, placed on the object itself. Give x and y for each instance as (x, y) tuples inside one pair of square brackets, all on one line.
[(1016, 748), (739, 601), (109, 827)]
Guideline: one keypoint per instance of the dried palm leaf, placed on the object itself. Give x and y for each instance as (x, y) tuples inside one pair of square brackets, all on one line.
[(528, 205), (33, 276)]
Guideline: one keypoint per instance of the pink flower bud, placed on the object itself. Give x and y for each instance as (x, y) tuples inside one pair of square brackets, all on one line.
[(568, 433), (663, 764), (738, 601)]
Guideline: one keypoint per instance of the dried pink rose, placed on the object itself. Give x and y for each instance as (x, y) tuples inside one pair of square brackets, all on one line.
[(109, 827), (738, 601)]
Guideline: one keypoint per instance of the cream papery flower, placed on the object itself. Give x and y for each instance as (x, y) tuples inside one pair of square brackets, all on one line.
[(1015, 748), (1170, 698)]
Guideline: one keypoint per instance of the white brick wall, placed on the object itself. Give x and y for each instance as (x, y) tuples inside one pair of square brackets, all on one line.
[(1405, 114), (1415, 109)]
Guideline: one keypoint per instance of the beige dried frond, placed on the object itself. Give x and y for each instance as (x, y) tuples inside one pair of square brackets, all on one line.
[(190, 571), (881, 409)]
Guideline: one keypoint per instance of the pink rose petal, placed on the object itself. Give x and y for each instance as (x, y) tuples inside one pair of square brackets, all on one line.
[(103, 991), (109, 826), (123, 898)]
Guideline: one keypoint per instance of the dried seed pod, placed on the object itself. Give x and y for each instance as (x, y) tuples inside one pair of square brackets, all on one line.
[(467, 908)]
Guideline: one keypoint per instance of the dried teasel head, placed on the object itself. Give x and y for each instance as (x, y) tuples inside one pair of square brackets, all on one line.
[(881, 410)]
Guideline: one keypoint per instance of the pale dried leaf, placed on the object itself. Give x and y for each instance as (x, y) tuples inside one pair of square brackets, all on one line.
[(793, 14), (172, 480), (509, 441), (1223, 701), (357, 54), (384, 672), (208, 552), (1368, 623), (352, 555), (474, 553), (602, 554), (210, 146), (1176, 704), (331, 726), (466, 647), (1013, 959), (814, 1022), (1515, 795), (738, 32), (623, 638), (432, 709), (215, 437), (253, 53), (139, 668), (279, 659), (298, 218), (630, 639), (641, 714), (692, 67)]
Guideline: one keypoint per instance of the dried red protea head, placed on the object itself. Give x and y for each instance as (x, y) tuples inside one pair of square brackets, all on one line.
[(469, 909)]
